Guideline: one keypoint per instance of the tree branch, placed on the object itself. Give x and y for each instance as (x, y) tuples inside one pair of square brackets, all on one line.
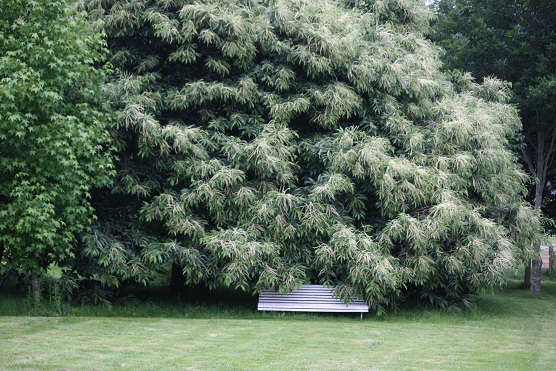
[(549, 159), (528, 161)]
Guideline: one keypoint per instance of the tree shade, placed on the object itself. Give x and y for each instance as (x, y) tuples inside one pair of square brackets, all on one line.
[(271, 143)]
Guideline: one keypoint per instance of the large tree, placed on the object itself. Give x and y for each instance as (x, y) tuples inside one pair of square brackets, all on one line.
[(53, 132), (271, 143), (515, 41)]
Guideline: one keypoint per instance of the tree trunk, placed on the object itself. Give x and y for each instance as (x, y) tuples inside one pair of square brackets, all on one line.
[(551, 251), (536, 276), (3, 276), (539, 186), (539, 190), (527, 275), (35, 288), (546, 135), (177, 280)]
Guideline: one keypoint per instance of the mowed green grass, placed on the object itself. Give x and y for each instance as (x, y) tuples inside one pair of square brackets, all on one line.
[(510, 330)]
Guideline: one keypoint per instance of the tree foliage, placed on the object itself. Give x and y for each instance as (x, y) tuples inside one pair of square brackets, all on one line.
[(53, 133), (515, 41), (271, 143)]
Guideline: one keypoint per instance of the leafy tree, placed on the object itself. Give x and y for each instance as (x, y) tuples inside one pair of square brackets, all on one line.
[(515, 41), (53, 136), (271, 143)]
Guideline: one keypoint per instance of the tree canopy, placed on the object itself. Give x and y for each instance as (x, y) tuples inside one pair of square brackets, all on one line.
[(272, 143), (514, 41), (53, 131)]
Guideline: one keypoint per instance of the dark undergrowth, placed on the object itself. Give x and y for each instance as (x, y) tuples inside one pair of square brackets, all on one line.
[(510, 301)]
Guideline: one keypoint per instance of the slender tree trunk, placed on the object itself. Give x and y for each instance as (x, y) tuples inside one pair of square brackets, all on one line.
[(35, 287), (551, 258), (527, 275), (177, 280), (539, 190), (536, 276), (2, 277), (543, 161)]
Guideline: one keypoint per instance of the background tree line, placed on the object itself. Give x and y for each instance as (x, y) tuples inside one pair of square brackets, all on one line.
[(514, 41)]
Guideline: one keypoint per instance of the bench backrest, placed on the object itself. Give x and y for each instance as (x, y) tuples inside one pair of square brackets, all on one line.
[(309, 298)]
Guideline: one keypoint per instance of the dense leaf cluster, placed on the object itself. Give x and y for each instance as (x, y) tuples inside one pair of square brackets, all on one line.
[(268, 143)]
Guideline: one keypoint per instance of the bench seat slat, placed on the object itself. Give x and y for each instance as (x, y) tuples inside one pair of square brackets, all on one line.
[(306, 300), (310, 302), (313, 310), (314, 306), (310, 298)]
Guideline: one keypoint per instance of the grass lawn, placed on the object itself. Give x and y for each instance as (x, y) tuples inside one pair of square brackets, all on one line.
[(510, 330)]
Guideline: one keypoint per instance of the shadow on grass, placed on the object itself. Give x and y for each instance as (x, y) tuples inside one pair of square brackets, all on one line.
[(510, 301), (159, 302), (517, 301)]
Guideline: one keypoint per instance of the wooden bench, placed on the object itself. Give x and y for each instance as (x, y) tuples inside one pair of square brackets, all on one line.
[(309, 298)]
